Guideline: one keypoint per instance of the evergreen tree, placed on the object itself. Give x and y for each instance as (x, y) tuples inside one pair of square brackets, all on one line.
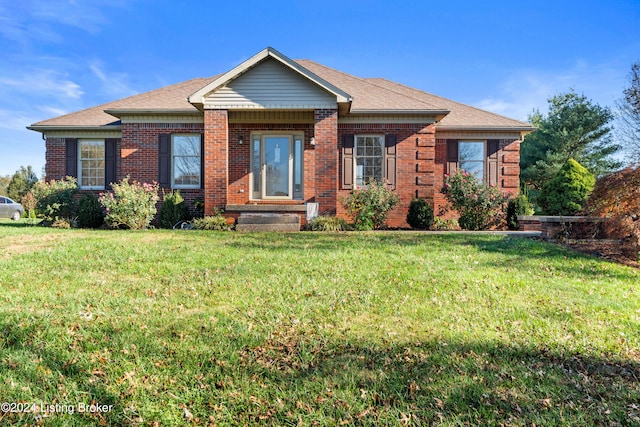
[(568, 191), (574, 127)]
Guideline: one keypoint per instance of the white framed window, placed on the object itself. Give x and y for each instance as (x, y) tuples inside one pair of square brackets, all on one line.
[(186, 161), (368, 158), (471, 158), (91, 164)]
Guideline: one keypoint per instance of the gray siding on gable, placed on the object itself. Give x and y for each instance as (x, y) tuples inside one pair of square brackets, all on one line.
[(271, 85)]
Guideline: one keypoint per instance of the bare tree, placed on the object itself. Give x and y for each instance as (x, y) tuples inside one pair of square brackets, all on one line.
[(629, 115)]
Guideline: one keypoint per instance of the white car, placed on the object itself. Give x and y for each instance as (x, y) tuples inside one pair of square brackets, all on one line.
[(10, 209)]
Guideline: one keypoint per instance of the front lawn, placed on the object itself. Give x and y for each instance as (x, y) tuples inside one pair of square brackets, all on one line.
[(219, 328)]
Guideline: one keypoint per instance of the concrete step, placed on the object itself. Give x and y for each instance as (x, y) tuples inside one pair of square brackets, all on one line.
[(268, 222), (281, 228), (269, 219)]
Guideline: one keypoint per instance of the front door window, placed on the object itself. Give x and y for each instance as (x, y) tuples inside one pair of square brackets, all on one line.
[(276, 166)]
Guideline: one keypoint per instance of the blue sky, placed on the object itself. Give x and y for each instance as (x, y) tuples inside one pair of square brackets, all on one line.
[(59, 56)]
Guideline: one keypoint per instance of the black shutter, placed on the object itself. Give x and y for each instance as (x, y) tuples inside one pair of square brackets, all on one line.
[(202, 161), (164, 160), (452, 155), (109, 162), (493, 146), (347, 161), (71, 147), (390, 142)]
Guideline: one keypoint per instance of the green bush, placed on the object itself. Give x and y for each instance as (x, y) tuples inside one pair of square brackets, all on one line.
[(327, 223), (369, 205), (479, 205), (54, 199), (173, 210), (518, 206), (420, 214), (440, 224), (213, 222), (130, 205), (567, 192), (90, 213)]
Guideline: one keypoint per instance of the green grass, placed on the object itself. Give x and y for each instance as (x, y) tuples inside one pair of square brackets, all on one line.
[(315, 329)]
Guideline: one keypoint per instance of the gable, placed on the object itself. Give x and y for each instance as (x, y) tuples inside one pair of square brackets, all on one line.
[(270, 85)]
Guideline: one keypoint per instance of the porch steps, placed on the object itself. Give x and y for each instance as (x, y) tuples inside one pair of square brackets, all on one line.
[(268, 222)]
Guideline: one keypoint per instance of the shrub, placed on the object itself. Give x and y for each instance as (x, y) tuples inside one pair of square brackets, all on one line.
[(369, 205), (54, 199), (617, 196), (130, 205), (64, 223), (90, 213), (213, 222), (518, 206), (567, 192), (420, 214), (478, 204), (327, 223), (445, 224), (29, 203), (173, 210)]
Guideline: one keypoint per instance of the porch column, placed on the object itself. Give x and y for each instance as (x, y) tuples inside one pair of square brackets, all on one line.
[(216, 159), (326, 153)]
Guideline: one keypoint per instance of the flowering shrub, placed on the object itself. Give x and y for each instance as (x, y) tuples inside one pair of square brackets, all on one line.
[(130, 204), (54, 199), (369, 205), (477, 203)]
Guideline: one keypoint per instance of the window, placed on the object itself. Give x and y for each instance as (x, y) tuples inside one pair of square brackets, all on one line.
[(369, 158), (365, 157), (186, 161), (91, 164), (471, 157)]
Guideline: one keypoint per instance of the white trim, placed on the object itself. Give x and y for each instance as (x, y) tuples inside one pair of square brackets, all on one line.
[(85, 134), (389, 118), (477, 135)]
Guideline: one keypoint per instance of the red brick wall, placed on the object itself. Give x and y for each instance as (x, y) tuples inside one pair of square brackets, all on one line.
[(139, 148), (55, 158), (415, 154), (421, 160), (216, 177), (326, 160)]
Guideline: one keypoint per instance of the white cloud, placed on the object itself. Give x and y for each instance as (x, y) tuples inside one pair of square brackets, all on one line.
[(526, 90), (114, 85), (49, 83)]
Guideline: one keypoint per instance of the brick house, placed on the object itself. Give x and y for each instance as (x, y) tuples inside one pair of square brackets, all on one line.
[(274, 135)]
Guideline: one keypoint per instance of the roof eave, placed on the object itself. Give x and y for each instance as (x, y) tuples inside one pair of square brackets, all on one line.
[(44, 128), (179, 112), (437, 114), (527, 129)]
